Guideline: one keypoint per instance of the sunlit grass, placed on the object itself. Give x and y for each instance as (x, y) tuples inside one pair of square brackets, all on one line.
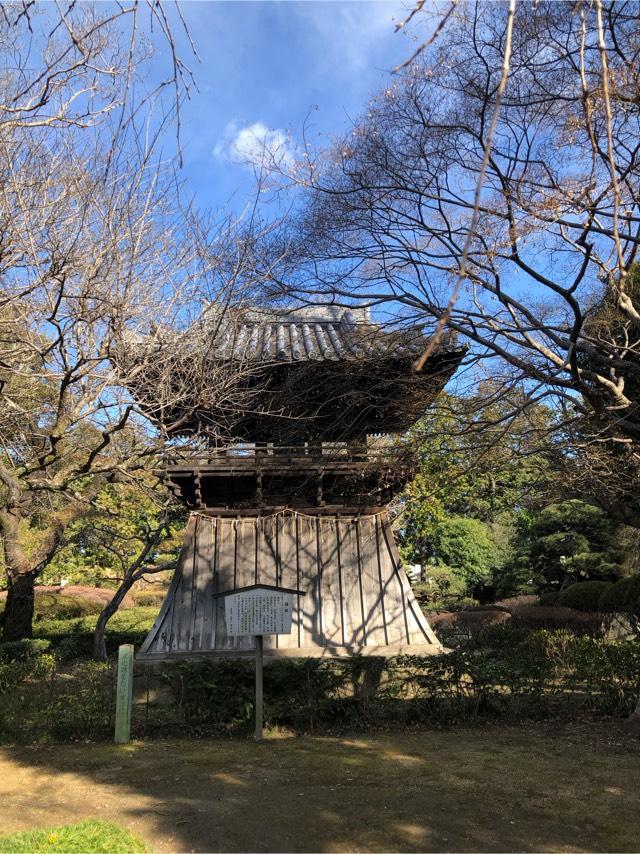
[(85, 836)]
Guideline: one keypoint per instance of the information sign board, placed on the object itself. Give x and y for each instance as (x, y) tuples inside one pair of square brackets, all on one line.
[(259, 611)]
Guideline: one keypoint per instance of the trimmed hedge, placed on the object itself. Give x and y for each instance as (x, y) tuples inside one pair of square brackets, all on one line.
[(41, 702), (622, 596), (584, 595), (504, 671), (534, 617), (57, 606), (23, 650), (71, 602), (73, 639), (501, 671)]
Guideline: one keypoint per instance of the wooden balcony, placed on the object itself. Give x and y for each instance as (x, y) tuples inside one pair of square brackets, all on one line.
[(291, 476)]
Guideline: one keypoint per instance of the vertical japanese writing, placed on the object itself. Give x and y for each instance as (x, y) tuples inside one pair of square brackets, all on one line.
[(258, 612)]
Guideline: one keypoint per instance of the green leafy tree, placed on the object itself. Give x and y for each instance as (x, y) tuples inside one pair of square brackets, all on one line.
[(564, 543), (441, 588), (109, 534), (467, 547), (483, 459)]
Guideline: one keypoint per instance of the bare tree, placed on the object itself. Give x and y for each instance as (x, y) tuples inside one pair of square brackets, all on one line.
[(508, 210), (74, 65), (103, 278), (108, 280)]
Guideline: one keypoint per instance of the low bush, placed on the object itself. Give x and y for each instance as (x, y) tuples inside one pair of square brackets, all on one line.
[(557, 618), (455, 627), (56, 606), (583, 596), (545, 673), (70, 602), (303, 693), (23, 650), (149, 598), (19, 680), (517, 601), (73, 639), (458, 626), (42, 702), (468, 602), (476, 608), (501, 669), (622, 597), (549, 599)]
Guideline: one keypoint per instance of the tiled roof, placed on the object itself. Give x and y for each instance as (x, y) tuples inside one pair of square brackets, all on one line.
[(312, 334)]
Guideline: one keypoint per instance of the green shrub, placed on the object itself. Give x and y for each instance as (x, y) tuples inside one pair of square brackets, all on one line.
[(461, 626), (149, 598), (500, 669), (549, 599), (583, 596), (622, 597), (556, 618), (441, 589), (73, 639), (40, 703), (23, 650), (58, 606), (15, 674), (74, 647), (298, 692)]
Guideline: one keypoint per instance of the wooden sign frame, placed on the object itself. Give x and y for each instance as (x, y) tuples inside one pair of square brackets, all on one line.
[(259, 704)]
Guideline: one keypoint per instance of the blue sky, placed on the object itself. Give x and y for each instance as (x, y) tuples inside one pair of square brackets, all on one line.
[(267, 66)]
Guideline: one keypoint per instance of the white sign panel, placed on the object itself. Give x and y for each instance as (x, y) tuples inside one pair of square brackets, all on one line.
[(258, 612)]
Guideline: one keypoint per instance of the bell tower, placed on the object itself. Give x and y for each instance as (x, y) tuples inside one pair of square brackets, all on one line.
[(297, 497)]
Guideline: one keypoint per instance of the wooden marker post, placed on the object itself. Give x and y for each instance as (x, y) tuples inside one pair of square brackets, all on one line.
[(124, 693), (259, 708)]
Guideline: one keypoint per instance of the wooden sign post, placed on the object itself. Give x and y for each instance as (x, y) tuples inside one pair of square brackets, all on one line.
[(259, 610), (259, 707), (124, 693)]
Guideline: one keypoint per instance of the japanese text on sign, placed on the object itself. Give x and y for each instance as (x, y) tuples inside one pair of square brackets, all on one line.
[(258, 612)]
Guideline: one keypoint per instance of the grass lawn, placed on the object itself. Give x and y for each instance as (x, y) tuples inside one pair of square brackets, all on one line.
[(85, 836), (491, 789)]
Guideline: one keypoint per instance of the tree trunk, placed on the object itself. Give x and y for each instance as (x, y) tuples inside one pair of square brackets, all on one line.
[(17, 620), (99, 642)]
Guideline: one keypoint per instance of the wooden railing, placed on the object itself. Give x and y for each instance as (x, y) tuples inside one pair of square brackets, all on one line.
[(292, 455)]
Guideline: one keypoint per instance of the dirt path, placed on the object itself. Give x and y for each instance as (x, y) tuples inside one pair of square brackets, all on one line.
[(459, 790)]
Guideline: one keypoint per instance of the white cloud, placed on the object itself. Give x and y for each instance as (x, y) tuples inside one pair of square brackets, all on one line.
[(350, 32), (255, 145)]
